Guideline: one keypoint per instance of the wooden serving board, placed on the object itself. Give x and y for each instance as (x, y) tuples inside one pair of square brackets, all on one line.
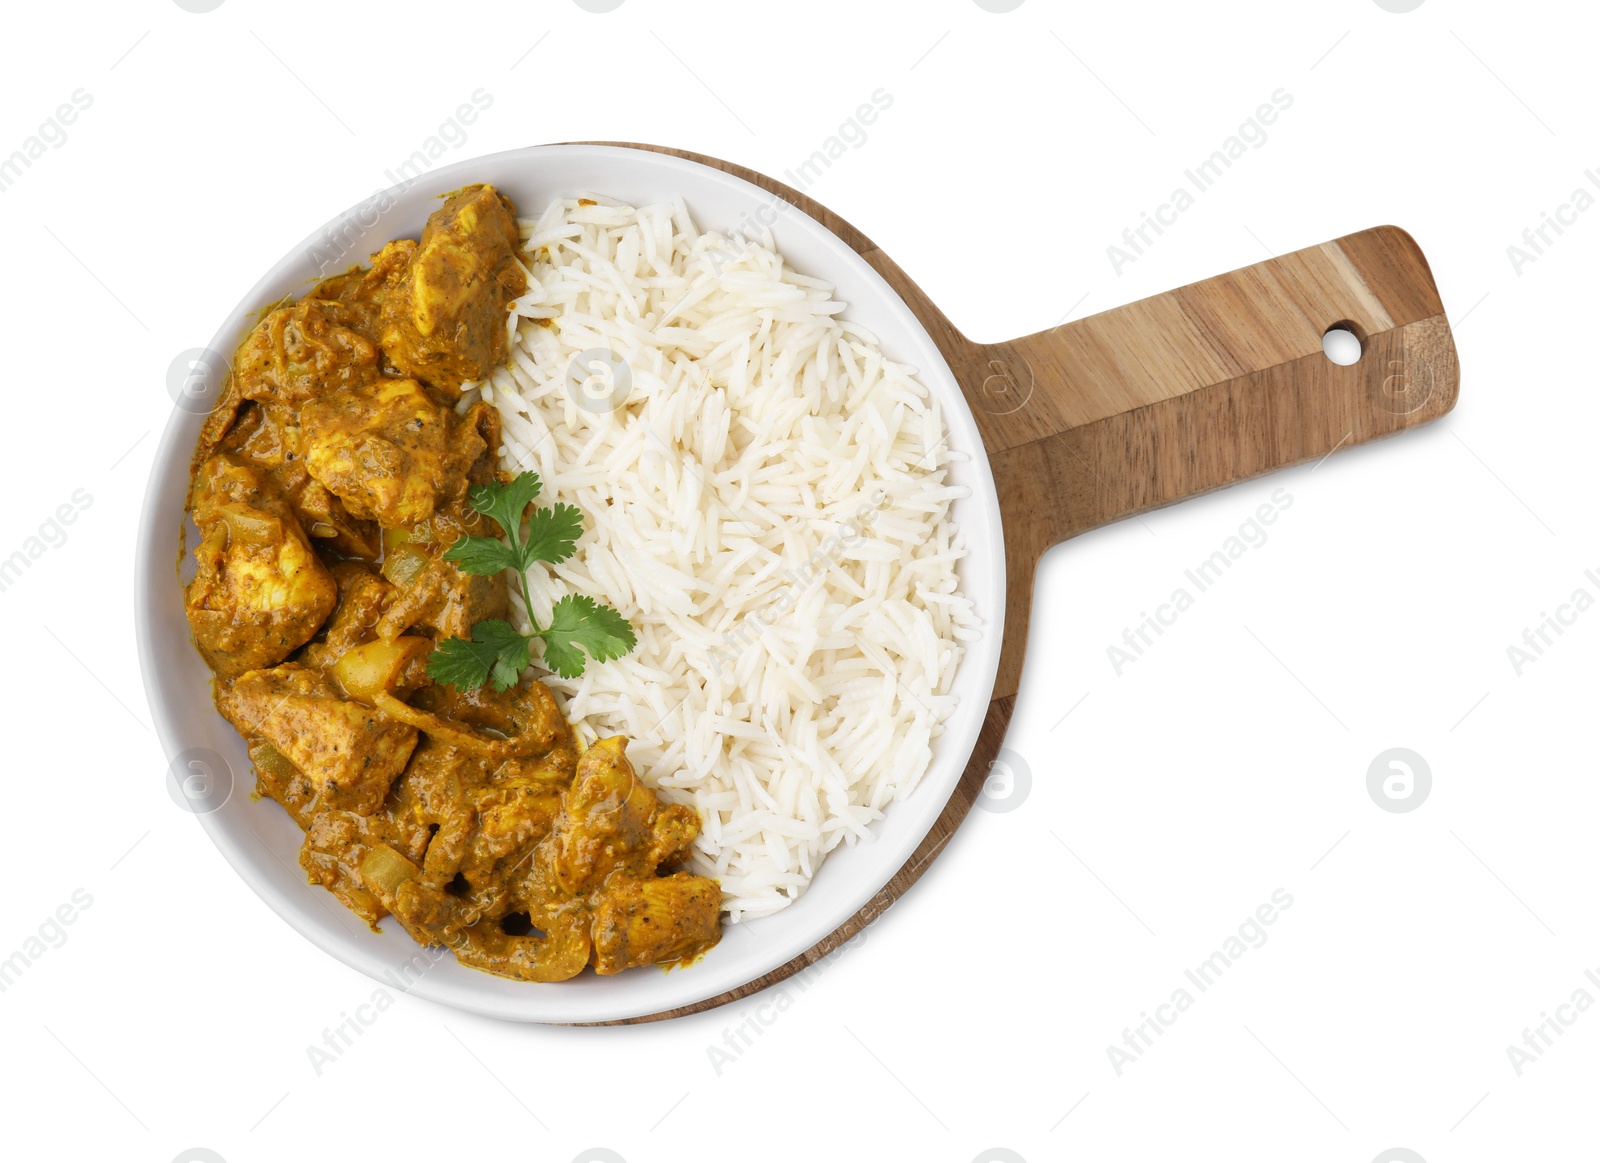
[(1143, 405)]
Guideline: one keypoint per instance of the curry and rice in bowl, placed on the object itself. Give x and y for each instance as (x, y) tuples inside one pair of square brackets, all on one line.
[(575, 582)]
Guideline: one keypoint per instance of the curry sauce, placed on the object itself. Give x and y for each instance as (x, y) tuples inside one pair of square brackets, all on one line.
[(327, 484)]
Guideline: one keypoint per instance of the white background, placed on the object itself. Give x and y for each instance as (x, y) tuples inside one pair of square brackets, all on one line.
[(1166, 803)]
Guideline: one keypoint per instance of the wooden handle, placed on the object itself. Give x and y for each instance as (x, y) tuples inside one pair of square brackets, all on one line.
[(1201, 387)]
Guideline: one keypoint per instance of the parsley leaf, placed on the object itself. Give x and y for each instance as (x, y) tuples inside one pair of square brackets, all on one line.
[(482, 556), (505, 503), (576, 620), (496, 654), (552, 534)]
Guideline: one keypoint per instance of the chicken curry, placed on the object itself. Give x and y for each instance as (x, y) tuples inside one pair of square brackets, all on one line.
[(328, 484)]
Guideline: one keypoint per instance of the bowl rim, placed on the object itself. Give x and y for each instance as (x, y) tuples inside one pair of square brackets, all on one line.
[(155, 578)]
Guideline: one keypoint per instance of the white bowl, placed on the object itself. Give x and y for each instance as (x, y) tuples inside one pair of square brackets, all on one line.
[(259, 839)]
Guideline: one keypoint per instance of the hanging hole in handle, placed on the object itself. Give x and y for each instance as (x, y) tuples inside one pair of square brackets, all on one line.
[(1342, 344)]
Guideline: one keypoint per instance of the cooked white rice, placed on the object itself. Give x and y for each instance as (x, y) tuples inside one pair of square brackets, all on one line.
[(768, 507)]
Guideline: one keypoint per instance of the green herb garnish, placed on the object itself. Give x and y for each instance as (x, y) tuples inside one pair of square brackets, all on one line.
[(497, 653)]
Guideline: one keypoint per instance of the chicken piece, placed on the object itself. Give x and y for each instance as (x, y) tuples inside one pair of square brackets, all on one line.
[(362, 291), (513, 815), (560, 954), (436, 596), (283, 781), (445, 322), (471, 859), (259, 592), (363, 595), (388, 451), (559, 951), (655, 920), (594, 877), (480, 821), (455, 517), (521, 727), (306, 350), (335, 845), (430, 916), (592, 849), (440, 598), (613, 823), (433, 795), (350, 752), (477, 812), (302, 350), (295, 353), (267, 435), (324, 516), (613, 838)]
